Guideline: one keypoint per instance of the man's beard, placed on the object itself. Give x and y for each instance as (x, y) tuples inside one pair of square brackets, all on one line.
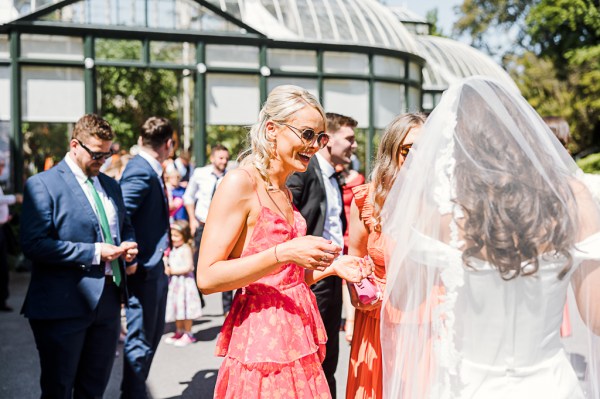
[(92, 172)]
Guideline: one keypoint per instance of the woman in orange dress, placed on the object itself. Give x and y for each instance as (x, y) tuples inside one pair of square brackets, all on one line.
[(365, 369)]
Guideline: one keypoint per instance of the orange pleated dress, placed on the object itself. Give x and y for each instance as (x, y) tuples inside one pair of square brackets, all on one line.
[(365, 368)]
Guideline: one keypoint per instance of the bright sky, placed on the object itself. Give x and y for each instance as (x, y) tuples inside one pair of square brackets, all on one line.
[(446, 16)]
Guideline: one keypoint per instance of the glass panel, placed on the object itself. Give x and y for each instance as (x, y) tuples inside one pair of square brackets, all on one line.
[(232, 99), (231, 136), (414, 72), (348, 97), (361, 136), (389, 102), (4, 93), (334, 62), (4, 46), (129, 95), (292, 60), (122, 50), (52, 94), (51, 47), (388, 66), (427, 102), (26, 6), (157, 14), (309, 30), (308, 84), (414, 99), (172, 52), (227, 56), (45, 145)]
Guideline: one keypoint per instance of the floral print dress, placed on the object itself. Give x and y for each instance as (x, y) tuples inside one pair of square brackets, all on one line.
[(273, 339)]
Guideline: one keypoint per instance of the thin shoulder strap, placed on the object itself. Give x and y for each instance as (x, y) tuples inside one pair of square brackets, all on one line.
[(253, 185)]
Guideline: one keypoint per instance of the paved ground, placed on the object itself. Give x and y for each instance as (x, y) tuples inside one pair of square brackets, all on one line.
[(188, 372)]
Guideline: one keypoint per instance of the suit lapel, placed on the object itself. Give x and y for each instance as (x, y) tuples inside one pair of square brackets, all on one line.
[(315, 169), (314, 164), (71, 182)]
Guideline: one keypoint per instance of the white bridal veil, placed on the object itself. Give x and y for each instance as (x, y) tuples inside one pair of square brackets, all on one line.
[(489, 227)]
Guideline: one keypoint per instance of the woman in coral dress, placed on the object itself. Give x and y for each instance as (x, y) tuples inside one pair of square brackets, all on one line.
[(365, 369), (273, 339)]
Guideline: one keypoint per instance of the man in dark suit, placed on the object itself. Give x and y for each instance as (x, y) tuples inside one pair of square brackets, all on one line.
[(318, 196), (147, 205), (75, 230)]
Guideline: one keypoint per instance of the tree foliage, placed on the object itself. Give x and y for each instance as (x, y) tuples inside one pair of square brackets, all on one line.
[(555, 58), (130, 95), (433, 20)]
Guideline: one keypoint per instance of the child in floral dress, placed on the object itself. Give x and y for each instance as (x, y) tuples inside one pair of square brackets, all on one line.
[(183, 300)]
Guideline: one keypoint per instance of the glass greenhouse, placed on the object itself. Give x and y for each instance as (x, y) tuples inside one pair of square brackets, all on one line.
[(360, 57)]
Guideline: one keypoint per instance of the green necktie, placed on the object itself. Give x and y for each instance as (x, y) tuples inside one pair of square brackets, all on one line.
[(105, 230)]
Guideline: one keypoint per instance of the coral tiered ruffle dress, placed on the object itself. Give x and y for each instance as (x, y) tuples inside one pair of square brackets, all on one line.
[(273, 340)]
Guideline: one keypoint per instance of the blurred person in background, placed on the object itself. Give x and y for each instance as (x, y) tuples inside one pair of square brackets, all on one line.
[(5, 217)]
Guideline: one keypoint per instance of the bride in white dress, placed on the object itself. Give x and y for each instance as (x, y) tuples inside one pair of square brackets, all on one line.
[(488, 224)]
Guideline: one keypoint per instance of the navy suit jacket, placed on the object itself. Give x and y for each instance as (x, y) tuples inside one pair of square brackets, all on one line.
[(58, 232), (147, 207), (308, 190)]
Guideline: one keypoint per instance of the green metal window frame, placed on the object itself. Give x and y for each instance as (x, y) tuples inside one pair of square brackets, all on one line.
[(89, 33)]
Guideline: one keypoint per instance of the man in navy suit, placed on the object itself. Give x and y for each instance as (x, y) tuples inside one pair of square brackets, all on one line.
[(318, 196), (147, 205), (76, 232)]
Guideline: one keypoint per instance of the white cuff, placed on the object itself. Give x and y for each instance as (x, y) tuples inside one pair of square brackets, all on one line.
[(97, 253)]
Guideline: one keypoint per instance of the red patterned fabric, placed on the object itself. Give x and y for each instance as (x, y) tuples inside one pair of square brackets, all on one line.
[(273, 340)]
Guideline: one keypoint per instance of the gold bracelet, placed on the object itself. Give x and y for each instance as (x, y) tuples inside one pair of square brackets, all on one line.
[(275, 252)]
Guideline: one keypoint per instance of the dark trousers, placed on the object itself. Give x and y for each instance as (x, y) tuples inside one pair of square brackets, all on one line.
[(227, 296), (77, 355), (145, 326), (4, 277), (329, 299)]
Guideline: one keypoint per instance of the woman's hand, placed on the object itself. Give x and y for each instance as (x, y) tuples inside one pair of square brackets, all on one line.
[(309, 252), (352, 268)]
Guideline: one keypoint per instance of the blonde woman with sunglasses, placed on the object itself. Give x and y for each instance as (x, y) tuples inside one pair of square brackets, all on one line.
[(254, 241)]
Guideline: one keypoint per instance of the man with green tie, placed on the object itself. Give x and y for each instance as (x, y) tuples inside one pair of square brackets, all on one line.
[(76, 232)]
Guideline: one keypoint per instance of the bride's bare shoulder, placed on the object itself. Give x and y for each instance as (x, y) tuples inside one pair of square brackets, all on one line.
[(586, 208)]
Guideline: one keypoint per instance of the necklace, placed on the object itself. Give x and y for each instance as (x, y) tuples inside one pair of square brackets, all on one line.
[(269, 187)]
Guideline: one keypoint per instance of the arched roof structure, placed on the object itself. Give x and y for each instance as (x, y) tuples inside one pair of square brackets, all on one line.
[(359, 22), (449, 60)]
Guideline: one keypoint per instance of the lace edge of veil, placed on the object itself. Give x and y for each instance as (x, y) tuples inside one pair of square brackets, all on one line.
[(452, 276)]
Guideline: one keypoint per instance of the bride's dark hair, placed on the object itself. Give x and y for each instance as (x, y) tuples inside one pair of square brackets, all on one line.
[(513, 213)]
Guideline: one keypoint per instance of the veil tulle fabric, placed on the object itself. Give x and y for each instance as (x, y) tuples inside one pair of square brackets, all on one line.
[(488, 225)]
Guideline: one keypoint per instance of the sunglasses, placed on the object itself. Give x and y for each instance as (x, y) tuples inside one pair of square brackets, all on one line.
[(308, 136), (405, 149), (95, 155)]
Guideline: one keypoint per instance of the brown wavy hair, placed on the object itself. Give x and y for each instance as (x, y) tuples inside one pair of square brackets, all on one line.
[(386, 163), (512, 214)]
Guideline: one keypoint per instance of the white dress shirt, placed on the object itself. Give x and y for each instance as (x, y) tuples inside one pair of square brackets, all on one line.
[(5, 201), (109, 208), (154, 164), (332, 230), (200, 190)]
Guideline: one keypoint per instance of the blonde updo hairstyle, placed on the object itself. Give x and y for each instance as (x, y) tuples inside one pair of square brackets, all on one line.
[(282, 102)]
